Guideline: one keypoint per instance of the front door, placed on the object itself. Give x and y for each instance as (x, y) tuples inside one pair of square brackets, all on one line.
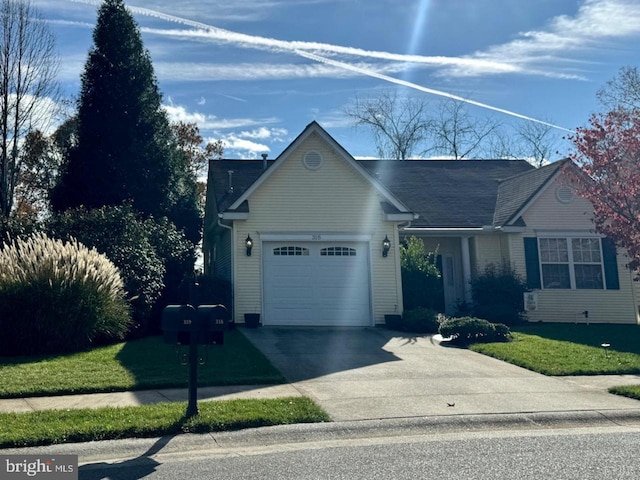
[(452, 284)]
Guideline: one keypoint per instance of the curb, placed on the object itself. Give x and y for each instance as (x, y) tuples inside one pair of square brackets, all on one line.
[(224, 442)]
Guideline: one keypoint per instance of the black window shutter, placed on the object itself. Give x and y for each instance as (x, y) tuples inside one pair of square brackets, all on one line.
[(532, 262), (610, 264)]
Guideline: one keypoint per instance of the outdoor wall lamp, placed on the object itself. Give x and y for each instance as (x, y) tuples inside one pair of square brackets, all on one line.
[(386, 246), (249, 244)]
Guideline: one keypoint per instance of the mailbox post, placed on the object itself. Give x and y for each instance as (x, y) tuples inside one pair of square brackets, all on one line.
[(193, 325)]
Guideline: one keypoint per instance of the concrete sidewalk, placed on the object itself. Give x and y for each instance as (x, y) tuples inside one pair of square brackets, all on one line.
[(145, 397), (373, 374)]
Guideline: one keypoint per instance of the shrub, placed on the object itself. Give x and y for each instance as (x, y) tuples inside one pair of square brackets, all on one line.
[(215, 290), (13, 228), (498, 294), (120, 234), (421, 279), (58, 297), (466, 330), (178, 255), (418, 320)]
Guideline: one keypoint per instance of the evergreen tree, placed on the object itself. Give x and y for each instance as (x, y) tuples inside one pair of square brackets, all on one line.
[(124, 149)]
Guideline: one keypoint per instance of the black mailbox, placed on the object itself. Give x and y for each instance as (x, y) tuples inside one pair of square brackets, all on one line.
[(213, 321), (178, 321), (207, 322)]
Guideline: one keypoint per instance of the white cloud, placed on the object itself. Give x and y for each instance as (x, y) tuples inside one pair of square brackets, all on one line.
[(546, 51), (264, 133), (202, 101), (242, 147), (246, 143), (178, 113)]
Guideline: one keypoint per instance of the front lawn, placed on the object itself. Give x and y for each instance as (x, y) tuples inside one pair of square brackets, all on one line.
[(631, 391), (567, 349), (136, 365), (66, 426)]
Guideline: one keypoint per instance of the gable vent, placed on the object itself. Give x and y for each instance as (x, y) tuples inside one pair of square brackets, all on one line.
[(312, 160), (564, 194)]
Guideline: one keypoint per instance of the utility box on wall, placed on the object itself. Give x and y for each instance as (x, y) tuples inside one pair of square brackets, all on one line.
[(530, 301)]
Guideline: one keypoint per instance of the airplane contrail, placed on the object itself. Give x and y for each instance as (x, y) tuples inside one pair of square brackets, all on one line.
[(371, 73), (209, 31), (300, 48)]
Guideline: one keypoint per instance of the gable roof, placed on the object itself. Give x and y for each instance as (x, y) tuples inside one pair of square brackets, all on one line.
[(515, 193), (447, 193), (234, 201), (443, 193)]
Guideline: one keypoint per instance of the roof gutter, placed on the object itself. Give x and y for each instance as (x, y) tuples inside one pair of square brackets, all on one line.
[(230, 215), (401, 217), (456, 231)]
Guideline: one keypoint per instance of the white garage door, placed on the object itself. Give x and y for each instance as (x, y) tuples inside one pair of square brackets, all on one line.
[(316, 283)]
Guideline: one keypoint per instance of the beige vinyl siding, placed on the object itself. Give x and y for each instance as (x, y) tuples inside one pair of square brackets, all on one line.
[(548, 215), (334, 199), (488, 250)]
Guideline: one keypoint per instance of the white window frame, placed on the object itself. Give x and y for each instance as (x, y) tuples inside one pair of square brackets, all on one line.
[(571, 263)]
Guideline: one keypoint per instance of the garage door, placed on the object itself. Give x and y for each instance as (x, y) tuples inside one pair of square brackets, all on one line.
[(316, 284)]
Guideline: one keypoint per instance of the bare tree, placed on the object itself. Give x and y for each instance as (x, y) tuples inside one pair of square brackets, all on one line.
[(400, 125), (28, 90), (458, 134), (622, 91), (502, 145), (537, 142)]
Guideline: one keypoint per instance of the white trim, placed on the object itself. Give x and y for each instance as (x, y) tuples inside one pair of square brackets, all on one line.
[(567, 233), (571, 263), (313, 237), (399, 217), (234, 215)]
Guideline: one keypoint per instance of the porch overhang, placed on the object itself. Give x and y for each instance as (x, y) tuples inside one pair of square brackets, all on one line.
[(461, 231)]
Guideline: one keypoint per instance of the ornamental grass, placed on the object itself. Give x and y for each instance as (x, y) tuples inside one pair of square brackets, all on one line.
[(58, 297)]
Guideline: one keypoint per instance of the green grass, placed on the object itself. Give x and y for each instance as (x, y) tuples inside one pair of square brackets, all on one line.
[(136, 365), (631, 391), (561, 349), (66, 426)]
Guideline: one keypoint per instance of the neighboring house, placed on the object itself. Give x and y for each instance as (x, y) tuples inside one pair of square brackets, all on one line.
[(319, 221)]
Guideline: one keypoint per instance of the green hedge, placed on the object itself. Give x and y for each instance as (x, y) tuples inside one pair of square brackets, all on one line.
[(466, 330), (498, 294)]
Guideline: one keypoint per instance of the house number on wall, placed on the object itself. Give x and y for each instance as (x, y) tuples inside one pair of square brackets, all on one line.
[(316, 237)]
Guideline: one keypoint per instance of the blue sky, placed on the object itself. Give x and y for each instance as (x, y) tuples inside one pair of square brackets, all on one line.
[(255, 72)]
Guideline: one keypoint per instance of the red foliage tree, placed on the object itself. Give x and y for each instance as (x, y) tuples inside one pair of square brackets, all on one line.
[(608, 154)]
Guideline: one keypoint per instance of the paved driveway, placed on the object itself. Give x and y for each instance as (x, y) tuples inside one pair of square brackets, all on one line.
[(357, 374)]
